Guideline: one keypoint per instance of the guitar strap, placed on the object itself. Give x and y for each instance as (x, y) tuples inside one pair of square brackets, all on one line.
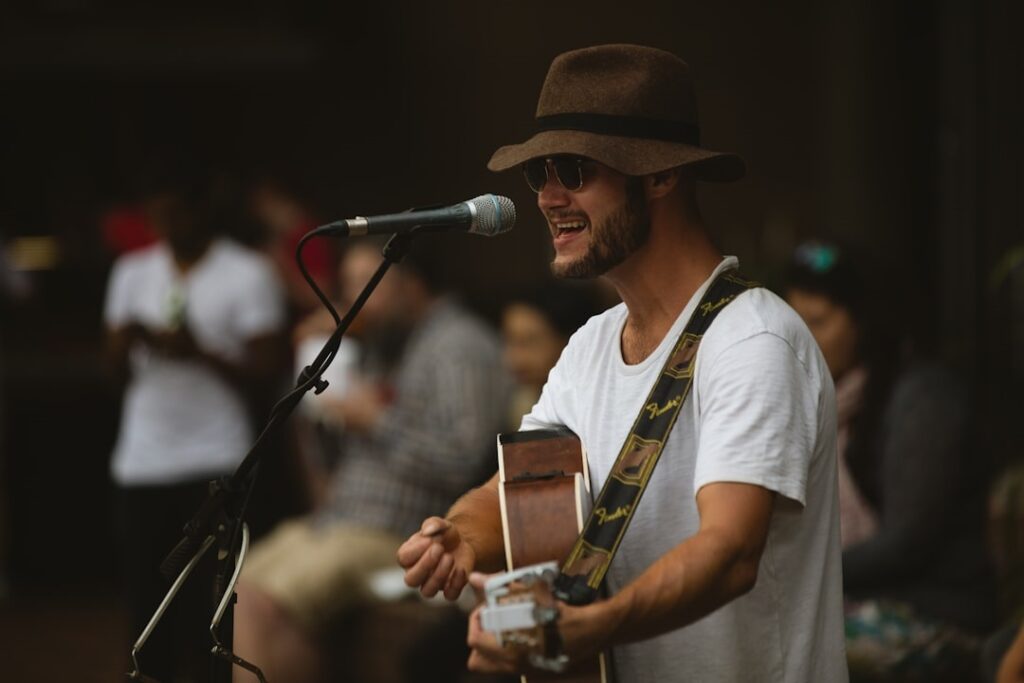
[(594, 550)]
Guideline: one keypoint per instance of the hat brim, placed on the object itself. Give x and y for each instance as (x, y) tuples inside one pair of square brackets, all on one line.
[(631, 156)]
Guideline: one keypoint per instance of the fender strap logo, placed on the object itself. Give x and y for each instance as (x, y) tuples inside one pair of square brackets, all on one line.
[(707, 307), (655, 411), (603, 516)]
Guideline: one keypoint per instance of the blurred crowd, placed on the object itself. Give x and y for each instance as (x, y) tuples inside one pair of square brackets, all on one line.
[(206, 327)]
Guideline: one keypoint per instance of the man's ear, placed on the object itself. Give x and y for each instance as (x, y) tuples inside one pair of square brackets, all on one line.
[(657, 185)]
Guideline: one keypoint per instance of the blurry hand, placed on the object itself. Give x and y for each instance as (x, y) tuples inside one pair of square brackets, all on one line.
[(317, 324), (177, 343), (436, 558), (485, 655), (137, 332), (359, 409)]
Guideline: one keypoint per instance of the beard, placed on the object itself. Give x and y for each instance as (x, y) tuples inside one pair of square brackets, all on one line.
[(613, 240)]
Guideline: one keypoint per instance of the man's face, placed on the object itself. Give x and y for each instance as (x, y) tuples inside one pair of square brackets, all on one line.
[(358, 265), (531, 344), (176, 220), (597, 227)]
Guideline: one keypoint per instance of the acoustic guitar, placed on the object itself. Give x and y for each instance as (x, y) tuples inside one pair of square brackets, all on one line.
[(545, 499)]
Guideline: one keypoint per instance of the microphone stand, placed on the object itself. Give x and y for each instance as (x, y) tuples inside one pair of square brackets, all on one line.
[(219, 520)]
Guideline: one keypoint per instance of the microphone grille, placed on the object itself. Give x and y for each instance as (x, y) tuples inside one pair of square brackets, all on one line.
[(494, 215)]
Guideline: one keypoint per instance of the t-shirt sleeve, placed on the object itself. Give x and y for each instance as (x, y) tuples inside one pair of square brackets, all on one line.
[(117, 306), (758, 417), (262, 306)]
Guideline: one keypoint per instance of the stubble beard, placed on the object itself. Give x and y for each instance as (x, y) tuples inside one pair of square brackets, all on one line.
[(614, 240)]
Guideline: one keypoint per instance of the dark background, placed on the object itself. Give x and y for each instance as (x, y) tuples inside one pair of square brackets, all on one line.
[(894, 126)]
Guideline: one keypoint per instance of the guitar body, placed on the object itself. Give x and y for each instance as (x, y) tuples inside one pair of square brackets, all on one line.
[(545, 499)]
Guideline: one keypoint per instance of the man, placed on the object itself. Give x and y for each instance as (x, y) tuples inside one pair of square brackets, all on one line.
[(194, 329), (413, 443), (730, 570)]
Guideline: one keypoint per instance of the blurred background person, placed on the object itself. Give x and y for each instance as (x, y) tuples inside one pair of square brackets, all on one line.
[(194, 328), (418, 428), (535, 327), (318, 427), (283, 219), (912, 480)]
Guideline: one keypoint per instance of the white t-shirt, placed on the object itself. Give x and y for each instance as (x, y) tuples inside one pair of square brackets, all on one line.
[(181, 420), (761, 411)]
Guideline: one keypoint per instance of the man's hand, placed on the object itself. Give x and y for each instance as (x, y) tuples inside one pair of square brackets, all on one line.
[(178, 343), (359, 410), (585, 631), (485, 655), (135, 332), (436, 558)]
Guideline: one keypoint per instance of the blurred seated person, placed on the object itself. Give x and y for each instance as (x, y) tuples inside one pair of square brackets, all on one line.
[(535, 328), (194, 331), (912, 482), (319, 422), (414, 438)]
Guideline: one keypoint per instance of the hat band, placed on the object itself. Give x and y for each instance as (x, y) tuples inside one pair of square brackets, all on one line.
[(624, 126)]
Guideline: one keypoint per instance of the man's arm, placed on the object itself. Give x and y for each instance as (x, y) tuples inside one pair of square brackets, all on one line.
[(443, 553), (706, 571), (925, 462), (713, 567), (258, 363), (118, 344)]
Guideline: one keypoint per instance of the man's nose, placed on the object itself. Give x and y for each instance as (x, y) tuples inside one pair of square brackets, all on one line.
[(552, 195)]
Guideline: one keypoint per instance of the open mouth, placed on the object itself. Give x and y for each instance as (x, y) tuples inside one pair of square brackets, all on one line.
[(564, 229)]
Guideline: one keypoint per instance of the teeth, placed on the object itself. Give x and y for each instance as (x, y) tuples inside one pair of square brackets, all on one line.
[(572, 225)]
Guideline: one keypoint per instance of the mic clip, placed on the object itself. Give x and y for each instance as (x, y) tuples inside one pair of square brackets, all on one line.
[(319, 386)]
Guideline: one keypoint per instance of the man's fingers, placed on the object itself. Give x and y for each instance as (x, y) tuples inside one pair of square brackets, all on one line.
[(439, 578), (480, 663), (456, 582), (486, 654), (477, 581), (412, 550), (434, 525), (424, 567)]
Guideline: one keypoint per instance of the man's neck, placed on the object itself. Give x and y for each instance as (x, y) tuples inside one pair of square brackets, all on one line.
[(658, 280), (186, 258)]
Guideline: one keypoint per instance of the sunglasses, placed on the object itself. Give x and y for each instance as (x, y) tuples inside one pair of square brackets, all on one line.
[(568, 169)]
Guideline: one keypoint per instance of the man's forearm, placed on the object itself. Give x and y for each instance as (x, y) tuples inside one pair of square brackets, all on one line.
[(119, 343), (689, 582), (253, 370), (702, 573), (477, 516)]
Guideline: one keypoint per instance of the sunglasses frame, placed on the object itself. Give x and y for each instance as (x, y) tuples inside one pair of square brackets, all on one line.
[(561, 163)]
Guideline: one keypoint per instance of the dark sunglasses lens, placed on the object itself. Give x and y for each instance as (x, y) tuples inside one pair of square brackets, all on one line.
[(570, 172), (536, 172)]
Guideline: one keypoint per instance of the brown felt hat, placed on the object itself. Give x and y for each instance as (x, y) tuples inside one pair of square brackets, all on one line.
[(629, 107)]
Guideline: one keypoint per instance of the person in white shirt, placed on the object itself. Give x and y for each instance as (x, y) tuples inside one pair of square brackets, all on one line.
[(194, 327), (730, 570)]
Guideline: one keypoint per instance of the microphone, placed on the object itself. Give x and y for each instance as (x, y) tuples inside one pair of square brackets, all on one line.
[(486, 215)]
